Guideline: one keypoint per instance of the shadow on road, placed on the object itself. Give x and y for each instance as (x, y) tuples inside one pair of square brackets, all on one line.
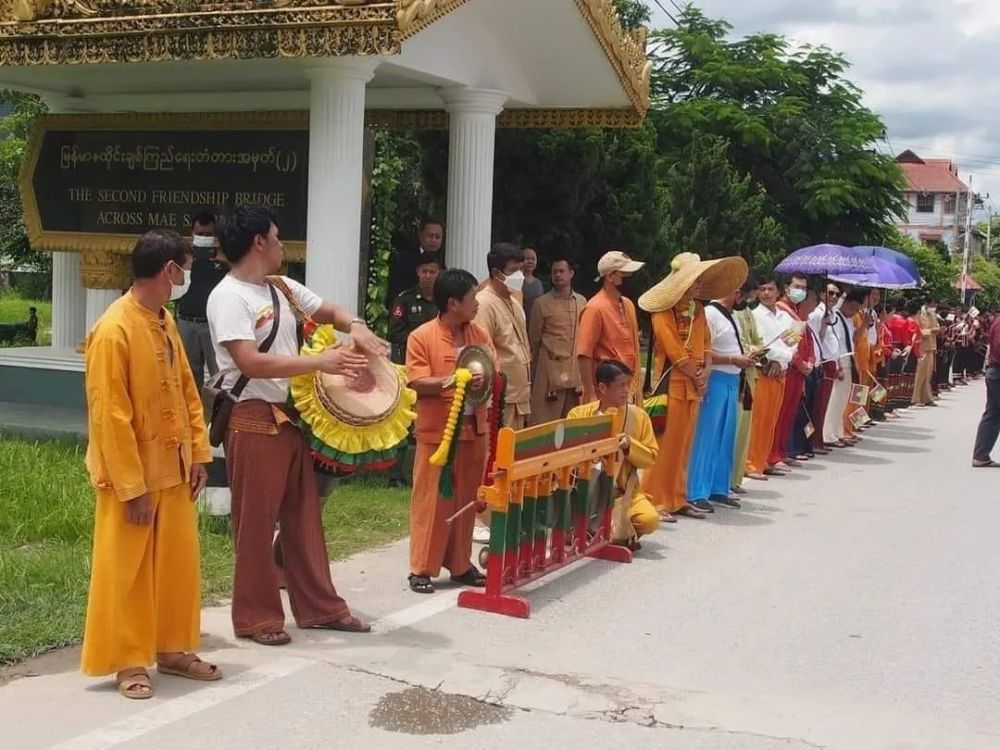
[(881, 445), (858, 458)]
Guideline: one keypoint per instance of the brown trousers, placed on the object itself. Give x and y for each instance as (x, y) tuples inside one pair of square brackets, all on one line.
[(433, 543), (543, 410), (271, 479)]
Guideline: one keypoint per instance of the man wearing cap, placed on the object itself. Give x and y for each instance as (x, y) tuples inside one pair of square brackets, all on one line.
[(609, 326), (682, 347), (207, 270)]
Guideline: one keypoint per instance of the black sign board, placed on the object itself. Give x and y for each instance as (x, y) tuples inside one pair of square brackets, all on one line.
[(127, 181)]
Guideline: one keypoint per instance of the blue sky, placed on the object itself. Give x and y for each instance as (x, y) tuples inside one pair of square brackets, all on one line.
[(929, 67)]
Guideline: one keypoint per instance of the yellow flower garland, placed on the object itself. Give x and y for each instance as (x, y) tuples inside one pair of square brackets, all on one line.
[(462, 378)]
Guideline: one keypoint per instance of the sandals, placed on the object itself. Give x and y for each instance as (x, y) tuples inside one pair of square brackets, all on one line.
[(666, 517), (471, 577), (989, 464), (690, 512), (134, 684), (420, 584), (351, 625), (270, 638), (183, 668)]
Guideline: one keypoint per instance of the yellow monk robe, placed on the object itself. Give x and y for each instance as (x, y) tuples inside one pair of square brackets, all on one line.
[(642, 455), (146, 431), (680, 338), (862, 363)]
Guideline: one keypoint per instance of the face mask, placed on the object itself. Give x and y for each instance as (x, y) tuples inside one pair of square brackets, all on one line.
[(515, 281), (202, 241), (179, 290), (797, 296)]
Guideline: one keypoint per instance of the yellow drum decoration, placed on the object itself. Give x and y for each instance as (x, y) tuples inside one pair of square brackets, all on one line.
[(353, 425)]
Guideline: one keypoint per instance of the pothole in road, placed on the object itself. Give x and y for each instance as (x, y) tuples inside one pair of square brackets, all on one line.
[(421, 711)]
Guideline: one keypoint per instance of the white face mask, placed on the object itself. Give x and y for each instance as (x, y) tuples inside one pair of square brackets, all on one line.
[(202, 241), (797, 296), (179, 290), (514, 282)]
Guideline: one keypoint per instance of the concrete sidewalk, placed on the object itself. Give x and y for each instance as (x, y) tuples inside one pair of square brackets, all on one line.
[(850, 605)]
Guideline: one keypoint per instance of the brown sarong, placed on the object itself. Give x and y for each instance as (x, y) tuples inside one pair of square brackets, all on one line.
[(271, 479)]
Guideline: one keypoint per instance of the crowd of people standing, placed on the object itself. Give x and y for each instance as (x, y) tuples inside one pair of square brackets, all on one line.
[(758, 375)]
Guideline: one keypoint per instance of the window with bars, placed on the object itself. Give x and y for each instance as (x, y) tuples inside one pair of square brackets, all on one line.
[(925, 203)]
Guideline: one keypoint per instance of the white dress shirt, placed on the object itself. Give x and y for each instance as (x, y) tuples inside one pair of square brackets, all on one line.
[(724, 340), (772, 325), (828, 339)]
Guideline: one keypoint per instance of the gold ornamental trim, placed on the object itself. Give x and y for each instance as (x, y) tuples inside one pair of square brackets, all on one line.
[(414, 16), (49, 241), (53, 32), (626, 50), (434, 119), (105, 269)]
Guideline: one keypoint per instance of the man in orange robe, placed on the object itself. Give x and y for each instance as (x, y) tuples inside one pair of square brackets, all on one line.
[(431, 354), (609, 326), (146, 458)]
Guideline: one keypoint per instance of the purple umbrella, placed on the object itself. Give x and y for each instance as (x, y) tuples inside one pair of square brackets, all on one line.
[(892, 255), (824, 260), (887, 275)]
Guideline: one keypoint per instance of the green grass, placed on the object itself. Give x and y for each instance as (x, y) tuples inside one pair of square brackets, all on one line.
[(46, 525), (14, 309)]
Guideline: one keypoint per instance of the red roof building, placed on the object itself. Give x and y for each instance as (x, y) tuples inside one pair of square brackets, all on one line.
[(938, 199)]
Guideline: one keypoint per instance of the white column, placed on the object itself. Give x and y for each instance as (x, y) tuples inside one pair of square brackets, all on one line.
[(336, 145), (470, 175), (69, 301), (98, 301)]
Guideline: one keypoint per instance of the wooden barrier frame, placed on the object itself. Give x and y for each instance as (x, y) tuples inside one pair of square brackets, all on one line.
[(535, 468)]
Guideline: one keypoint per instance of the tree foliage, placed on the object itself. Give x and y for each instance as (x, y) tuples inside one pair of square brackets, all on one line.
[(794, 123), (987, 273), (633, 13), (937, 273), (15, 128), (712, 210)]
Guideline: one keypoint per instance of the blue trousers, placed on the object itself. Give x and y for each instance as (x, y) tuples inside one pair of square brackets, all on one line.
[(711, 461)]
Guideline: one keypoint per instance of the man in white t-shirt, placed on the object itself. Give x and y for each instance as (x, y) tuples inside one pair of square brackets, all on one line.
[(267, 458)]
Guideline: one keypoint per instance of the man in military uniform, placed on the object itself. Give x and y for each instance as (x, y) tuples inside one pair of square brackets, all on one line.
[(414, 307)]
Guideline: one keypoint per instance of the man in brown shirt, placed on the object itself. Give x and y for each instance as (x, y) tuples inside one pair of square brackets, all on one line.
[(502, 317), (555, 318)]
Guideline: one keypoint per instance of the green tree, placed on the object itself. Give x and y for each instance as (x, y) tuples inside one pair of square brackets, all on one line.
[(15, 129), (987, 273), (712, 210), (794, 123), (937, 273), (632, 13)]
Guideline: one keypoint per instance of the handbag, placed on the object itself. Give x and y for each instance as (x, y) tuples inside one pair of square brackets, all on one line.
[(218, 401)]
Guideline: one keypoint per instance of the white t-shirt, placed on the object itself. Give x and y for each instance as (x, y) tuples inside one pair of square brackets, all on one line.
[(238, 311), (829, 346), (724, 339), (772, 325)]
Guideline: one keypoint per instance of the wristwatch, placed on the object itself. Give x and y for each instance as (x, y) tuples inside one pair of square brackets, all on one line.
[(356, 320)]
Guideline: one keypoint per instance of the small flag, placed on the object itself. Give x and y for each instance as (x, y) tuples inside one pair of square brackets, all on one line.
[(793, 334), (858, 417), (809, 430), (879, 393), (859, 394)]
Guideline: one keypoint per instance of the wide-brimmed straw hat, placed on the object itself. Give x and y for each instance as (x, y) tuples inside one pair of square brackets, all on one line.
[(719, 278)]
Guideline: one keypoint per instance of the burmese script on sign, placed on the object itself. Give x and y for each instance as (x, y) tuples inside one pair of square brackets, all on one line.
[(127, 182)]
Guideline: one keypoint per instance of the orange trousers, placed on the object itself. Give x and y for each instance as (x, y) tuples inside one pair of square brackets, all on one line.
[(145, 584), (767, 400), (666, 482), (433, 543)]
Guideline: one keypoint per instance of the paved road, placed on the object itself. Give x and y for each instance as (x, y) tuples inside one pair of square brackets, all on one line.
[(851, 605)]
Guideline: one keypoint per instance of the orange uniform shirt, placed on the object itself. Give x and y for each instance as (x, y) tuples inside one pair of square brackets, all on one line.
[(609, 329)]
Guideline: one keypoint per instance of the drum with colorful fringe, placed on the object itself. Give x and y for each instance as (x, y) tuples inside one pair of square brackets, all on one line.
[(353, 425)]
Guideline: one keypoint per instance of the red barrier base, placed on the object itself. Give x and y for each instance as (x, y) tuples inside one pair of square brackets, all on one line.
[(612, 553), (504, 604)]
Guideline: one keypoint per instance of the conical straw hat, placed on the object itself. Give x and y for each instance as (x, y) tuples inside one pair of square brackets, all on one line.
[(719, 278)]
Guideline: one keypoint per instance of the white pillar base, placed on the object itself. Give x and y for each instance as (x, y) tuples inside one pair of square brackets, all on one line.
[(336, 172), (98, 301), (470, 175), (69, 301)]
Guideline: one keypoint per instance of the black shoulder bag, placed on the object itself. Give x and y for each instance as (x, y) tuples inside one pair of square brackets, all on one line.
[(219, 402)]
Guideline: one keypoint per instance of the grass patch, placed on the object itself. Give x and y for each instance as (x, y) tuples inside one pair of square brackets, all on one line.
[(14, 309), (46, 533)]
